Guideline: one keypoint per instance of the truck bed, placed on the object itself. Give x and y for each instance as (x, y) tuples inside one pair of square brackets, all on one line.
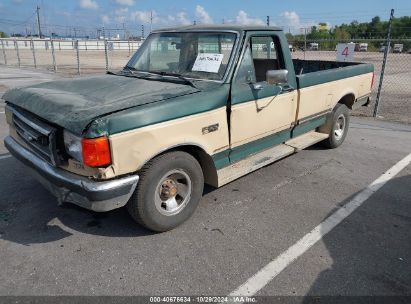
[(310, 66), (314, 72)]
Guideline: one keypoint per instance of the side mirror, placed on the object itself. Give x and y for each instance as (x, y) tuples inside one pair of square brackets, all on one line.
[(277, 76)]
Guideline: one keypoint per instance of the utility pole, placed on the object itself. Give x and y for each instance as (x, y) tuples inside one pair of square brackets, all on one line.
[(305, 39), (142, 31), (384, 62), (268, 20), (151, 21), (38, 21)]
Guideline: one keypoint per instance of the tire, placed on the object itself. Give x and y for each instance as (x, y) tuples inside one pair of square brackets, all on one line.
[(336, 126), (168, 192)]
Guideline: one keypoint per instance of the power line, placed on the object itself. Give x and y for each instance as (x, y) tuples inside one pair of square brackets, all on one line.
[(16, 22)]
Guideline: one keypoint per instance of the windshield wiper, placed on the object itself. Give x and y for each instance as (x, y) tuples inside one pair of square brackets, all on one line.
[(130, 69), (133, 72), (179, 76)]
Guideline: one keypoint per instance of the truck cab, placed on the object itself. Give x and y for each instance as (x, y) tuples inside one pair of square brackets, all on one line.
[(194, 105)]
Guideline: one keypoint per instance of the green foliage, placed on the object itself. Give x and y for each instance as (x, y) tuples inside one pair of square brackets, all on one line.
[(289, 36), (341, 34), (375, 29), (3, 35)]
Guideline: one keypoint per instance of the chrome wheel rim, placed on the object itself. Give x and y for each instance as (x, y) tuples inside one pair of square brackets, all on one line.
[(173, 192), (339, 127)]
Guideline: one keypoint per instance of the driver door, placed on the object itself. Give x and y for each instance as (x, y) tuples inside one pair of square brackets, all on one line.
[(260, 111)]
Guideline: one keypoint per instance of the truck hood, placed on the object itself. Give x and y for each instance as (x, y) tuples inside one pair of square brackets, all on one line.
[(74, 104)]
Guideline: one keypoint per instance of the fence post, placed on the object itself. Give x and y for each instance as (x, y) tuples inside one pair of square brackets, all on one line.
[(53, 55), (305, 41), (384, 62), (4, 52), (105, 54), (129, 51), (34, 53), (76, 45), (17, 52)]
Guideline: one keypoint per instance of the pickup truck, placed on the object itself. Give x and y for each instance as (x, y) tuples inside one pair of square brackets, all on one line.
[(194, 105)]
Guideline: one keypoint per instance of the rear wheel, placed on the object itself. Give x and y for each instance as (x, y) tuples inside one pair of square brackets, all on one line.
[(168, 192), (336, 126)]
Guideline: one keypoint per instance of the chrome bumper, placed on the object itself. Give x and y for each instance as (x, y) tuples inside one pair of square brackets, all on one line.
[(69, 187)]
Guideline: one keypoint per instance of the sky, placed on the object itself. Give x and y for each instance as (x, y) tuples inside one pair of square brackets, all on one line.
[(85, 16)]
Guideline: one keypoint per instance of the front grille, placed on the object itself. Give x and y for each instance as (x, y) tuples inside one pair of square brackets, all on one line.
[(39, 136)]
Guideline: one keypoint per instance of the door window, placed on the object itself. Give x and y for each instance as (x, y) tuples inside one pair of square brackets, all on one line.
[(266, 54)]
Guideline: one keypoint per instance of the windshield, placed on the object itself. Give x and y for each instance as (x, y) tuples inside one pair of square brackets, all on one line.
[(192, 55)]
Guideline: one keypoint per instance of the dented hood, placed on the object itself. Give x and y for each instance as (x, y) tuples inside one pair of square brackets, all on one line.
[(74, 104)]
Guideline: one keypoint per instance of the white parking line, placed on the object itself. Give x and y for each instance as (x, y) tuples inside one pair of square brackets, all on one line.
[(5, 156), (272, 269)]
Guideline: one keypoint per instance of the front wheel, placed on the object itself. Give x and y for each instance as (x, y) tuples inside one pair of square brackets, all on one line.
[(336, 126), (168, 192)]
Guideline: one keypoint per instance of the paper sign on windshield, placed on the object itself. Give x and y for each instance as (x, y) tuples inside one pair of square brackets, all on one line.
[(207, 62)]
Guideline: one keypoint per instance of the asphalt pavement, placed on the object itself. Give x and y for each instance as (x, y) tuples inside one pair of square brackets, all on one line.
[(237, 229)]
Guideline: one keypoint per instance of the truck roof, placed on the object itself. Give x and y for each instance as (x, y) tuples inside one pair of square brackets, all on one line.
[(221, 27)]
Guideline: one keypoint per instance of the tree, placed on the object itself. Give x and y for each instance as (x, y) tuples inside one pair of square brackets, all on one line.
[(341, 34), (3, 35), (289, 36), (357, 31), (320, 32)]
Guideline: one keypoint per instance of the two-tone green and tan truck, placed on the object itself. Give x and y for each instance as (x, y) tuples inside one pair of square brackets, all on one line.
[(194, 105)]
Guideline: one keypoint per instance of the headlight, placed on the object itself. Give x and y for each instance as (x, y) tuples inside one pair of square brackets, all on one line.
[(72, 143)]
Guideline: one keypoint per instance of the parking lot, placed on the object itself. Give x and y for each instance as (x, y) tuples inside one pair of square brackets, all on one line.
[(237, 231)]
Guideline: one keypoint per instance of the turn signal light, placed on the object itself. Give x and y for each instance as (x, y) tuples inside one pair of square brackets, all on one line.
[(96, 151)]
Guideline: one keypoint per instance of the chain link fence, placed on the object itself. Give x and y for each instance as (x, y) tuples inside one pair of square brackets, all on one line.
[(75, 57), (395, 98), (69, 57)]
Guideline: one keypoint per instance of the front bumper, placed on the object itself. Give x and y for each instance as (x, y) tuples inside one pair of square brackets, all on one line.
[(69, 187)]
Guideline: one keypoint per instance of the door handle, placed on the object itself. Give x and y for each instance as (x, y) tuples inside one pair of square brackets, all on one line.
[(287, 89), (257, 86)]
